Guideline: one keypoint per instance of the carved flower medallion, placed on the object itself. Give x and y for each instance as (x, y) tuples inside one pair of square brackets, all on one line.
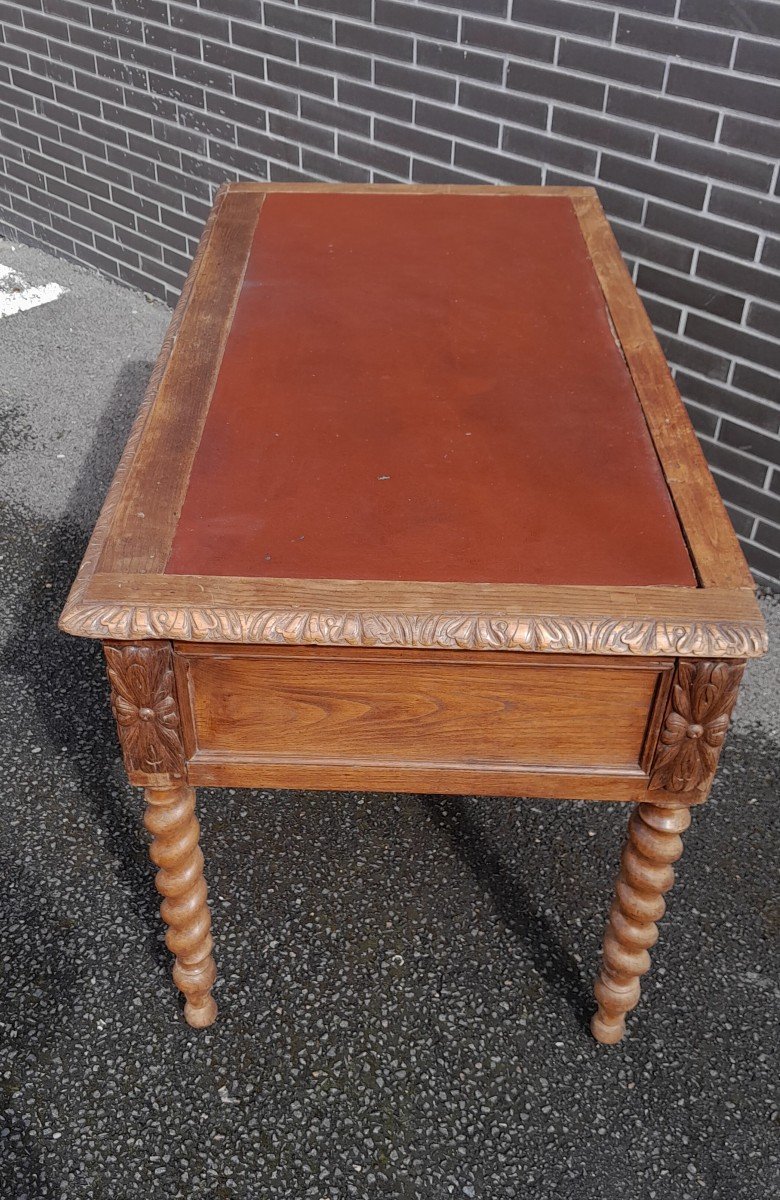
[(703, 696), (144, 705)]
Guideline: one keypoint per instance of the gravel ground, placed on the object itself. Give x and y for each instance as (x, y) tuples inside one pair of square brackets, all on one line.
[(404, 981)]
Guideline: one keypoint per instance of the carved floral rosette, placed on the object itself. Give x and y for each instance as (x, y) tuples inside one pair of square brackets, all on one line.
[(144, 705), (702, 699)]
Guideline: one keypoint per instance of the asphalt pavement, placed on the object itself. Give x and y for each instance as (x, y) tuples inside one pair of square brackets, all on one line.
[(405, 981)]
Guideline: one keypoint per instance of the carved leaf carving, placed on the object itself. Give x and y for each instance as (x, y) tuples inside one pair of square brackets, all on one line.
[(145, 709), (703, 696), (451, 631)]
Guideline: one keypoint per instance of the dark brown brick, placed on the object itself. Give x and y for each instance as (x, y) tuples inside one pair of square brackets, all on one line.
[(729, 340), (246, 162), (620, 65), (240, 10), (233, 59), (504, 38), (302, 132), (419, 83), (768, 535), (556, 85), (616, 204), (428, 172), (491, 8), (750, 441), (458, 61), (690, 292), (734, 462), (176, 89), (672, 39), (758, 17), (205, 24), (263, 41), (568, 18), (501, 167), (662, 314), (376, 100), (770, 255), (725, 90), (338, 62), (759, 57), (361, 9), (702, 230), (417, 141), (641, 177), (379, 158), (758, 211), (640, 243), (714, 162), (368, 39), (751, 499), (506, 105), (528, 143), (695, 358), (602, 131), (290, 76), (264, 95), (428, 22), (270, 147), (177, 40), (750, 379), (647, 109), (458, 123), (333, 169), (32, 83), (728, 402), (335, 115), (752, 137), (743, 277), (760, 316), (295, 20)]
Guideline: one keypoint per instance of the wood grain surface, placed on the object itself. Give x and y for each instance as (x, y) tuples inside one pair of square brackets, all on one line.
[(359, 713)]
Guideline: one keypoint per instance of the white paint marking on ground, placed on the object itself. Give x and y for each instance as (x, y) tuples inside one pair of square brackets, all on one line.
[(16, 296)]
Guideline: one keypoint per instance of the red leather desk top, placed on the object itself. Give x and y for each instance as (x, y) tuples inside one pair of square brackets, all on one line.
[(425, 387)]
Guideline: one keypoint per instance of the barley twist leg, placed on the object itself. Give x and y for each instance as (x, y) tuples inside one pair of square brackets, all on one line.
[(170, 818), (654, 843)]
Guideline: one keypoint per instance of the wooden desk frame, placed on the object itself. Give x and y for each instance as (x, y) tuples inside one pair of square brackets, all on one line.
[(651, 674)]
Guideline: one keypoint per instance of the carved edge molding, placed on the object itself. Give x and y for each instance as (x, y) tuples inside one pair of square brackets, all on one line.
[(697, 718), (143, 700), (454, 631)]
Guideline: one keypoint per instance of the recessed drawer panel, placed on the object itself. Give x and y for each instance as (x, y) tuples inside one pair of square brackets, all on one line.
[(396, 710)]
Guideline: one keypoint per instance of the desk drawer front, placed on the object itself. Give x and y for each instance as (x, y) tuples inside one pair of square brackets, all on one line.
[(460, 713)]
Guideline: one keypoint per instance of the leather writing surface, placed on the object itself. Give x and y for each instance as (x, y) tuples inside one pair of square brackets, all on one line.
[(426, 387)]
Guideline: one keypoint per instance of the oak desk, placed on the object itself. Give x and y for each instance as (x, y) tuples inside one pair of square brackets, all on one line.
[(412, 504)]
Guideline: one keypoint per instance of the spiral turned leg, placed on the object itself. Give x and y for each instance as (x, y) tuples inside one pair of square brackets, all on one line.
[(654, 843), (170, 818)]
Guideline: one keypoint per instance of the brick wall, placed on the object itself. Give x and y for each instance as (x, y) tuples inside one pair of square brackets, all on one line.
[(118, 120)]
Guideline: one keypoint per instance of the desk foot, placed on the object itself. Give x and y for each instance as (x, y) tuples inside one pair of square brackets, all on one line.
[(654, 843), (170, 818)]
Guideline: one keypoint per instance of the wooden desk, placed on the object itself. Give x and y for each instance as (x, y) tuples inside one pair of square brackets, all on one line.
[(412, 503)]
